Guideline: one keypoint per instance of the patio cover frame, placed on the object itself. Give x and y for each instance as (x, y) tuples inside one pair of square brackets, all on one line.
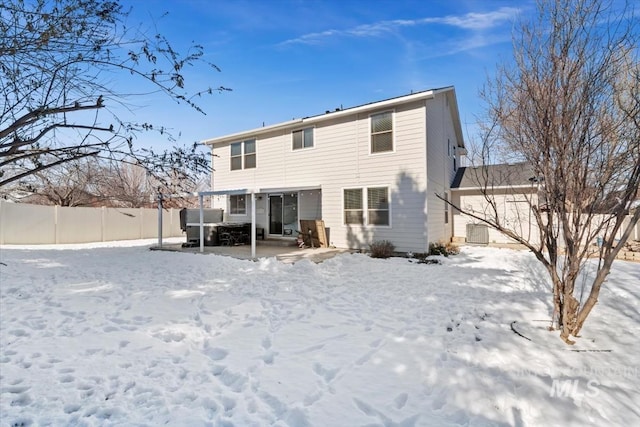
[(201, 195), (252, 193)]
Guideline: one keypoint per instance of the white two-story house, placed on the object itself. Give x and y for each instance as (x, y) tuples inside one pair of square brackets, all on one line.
[(370, 172)]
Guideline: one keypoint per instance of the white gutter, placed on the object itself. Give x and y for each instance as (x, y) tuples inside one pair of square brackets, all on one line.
[(497, 187), (289, 189)]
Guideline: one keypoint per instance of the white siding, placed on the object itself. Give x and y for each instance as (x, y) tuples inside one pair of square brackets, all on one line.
[(441, 136), (341, 159), (511, 207)]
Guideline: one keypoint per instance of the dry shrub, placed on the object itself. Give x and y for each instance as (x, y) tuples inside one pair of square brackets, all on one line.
[(381, 249), (442, 248)]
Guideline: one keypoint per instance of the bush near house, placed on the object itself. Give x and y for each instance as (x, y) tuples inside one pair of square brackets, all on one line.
[(382, 249), (442, 248)]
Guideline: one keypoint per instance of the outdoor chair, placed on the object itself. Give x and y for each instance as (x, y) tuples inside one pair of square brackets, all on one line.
[(226, 239)]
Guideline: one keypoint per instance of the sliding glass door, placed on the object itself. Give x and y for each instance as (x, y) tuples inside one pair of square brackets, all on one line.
[(283, 214)]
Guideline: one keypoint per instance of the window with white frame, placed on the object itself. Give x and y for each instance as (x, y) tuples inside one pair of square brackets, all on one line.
[(451, 148), (243, 155), (302, 138), (353, 211), (378, 206), (238, 204), (382, 132), (236, 156), (377, 202)]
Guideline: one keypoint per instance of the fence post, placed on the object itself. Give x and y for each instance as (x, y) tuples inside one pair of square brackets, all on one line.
[(103, 223), (141, 223), (2, 221), (56, 228)]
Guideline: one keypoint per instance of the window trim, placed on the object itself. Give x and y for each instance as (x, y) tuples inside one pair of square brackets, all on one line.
[(303, 147), (365, 206), (243, 154), (388, 210), (393, 132), (344, 208), (237, 156), (253, 153), (231, 213)]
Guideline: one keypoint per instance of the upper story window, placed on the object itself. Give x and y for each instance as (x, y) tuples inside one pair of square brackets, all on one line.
[(243, 155), (302, 138), (237, 204), (451, 148), (382, 132)]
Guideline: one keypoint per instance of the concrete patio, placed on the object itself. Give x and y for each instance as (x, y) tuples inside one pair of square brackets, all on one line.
[(264, 249)]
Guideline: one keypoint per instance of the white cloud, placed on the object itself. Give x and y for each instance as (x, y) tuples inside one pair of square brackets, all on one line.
[(481, 21), (468, 21)]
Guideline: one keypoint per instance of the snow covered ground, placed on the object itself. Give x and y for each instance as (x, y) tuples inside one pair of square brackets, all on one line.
[(98, 335)]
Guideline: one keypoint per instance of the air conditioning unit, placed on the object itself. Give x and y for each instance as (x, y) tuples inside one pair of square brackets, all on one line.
[(478, 234)]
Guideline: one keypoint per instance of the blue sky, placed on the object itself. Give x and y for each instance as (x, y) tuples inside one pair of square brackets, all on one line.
[(289, 59)]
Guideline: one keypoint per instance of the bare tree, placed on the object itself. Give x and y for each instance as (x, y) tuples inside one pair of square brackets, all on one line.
[(126, 185), (71, 184), (94, 182), (59, 102), (569, 106)]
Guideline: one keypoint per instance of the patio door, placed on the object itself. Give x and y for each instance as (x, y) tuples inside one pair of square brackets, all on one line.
[(283, 214)]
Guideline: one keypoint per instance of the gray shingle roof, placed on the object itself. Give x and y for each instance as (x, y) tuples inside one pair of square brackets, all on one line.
[(503, 175)]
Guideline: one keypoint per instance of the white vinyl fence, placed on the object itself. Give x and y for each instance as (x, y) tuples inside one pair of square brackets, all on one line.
[(24, 224)]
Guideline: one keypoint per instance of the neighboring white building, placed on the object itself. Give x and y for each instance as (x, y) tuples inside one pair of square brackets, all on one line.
[(510, 188), (370, 172), (507, 192)]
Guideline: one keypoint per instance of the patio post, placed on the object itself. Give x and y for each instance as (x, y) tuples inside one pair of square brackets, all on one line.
[(159, 219), (253, 225), (200, 200)]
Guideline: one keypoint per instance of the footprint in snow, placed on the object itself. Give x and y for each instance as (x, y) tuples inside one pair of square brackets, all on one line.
[(21, 422), (401, 400), (235, 382), (71, 408), (16, 389), (266, 343), (216, 353), (67, 379), (327, 374), (268, 357)]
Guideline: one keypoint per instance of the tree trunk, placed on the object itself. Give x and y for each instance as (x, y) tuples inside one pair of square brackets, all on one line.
[(556, 318), (591, 300), (569, 317)]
